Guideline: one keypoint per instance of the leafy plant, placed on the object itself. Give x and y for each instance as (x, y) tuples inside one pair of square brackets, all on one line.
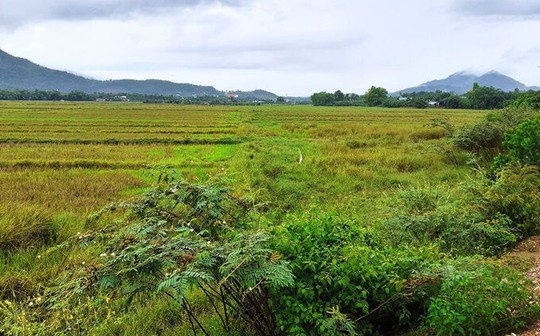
[(522, 144), (339, 267), (180, 241), (484, 138), (479, 298), (513, 193), (427, 215)]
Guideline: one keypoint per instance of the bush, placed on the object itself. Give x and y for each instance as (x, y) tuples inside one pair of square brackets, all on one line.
[(189, 237), (484, 138), (513, 193), (480, 299), (338, 265), (528, 100), (487, 137), (428, 215), (510, 117), (523, 142)]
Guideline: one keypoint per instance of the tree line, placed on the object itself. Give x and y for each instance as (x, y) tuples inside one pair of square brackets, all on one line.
[(53, 95), (479, 98)]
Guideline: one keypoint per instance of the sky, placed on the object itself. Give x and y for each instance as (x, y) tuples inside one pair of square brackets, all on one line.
[(289, 47)]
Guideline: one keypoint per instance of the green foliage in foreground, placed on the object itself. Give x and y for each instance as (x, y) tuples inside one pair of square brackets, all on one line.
[(496, 132), (479, 298), (191, 236), (338, 265), (522, 143), (399, 252), (317, 274), (390, 275)]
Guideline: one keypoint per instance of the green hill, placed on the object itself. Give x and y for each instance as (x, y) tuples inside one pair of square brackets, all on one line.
[(20, 73)]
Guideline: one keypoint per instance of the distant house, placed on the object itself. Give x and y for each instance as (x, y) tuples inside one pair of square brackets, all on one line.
[(433, 103), (121, 98), (101, 100)]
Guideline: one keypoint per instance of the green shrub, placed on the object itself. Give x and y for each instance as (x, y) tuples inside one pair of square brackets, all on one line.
[(522, 143), (182, 238), (528, 100), (510, 117), (513, 193), (484, 138), (338, 265), (428, 215), (488, 137), (480, 298)]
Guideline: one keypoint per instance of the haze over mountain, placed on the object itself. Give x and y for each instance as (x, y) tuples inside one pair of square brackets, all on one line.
[(20, 73), (461, 82)]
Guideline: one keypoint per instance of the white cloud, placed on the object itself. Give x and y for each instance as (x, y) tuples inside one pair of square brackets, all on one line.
[(519, 8), (295, 47), (15, 13)]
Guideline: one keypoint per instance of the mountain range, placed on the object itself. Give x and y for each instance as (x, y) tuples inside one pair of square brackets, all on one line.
[(461, 82), (20, 73)]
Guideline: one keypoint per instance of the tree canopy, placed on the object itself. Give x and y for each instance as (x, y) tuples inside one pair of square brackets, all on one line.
[(486, 97), (376, 96), (323, 99)]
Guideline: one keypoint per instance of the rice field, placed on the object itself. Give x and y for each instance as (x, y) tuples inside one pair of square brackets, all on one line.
[(62, 162), (78, 157)]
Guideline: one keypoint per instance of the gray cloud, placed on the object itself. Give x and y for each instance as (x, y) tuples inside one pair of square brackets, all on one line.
[(305, 44), (521, 8), (15, 13), (296, 47)]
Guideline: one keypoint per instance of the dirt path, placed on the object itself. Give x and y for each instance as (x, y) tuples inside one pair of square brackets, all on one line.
[(530, 249)]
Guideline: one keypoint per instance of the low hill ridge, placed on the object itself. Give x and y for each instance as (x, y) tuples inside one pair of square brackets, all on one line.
[(462, 81), (20, 73)]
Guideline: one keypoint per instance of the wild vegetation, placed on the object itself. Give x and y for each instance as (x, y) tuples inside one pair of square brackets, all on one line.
[(140, 219)]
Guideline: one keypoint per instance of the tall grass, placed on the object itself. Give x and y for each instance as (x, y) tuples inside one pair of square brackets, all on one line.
[(24, 227)]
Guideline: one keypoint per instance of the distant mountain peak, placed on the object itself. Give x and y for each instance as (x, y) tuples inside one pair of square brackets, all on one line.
[(462, 81)]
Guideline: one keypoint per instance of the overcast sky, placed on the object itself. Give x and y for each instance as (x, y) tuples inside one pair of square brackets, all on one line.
[(290, 47)]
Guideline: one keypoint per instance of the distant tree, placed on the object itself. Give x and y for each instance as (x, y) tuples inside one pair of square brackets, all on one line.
[(527, 100), (323, 99), (419, 103), (376, 96), (78, 96), (486, 98), (453, 102), (339, 96), (393, 102), (280, 100), (352, 96)]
